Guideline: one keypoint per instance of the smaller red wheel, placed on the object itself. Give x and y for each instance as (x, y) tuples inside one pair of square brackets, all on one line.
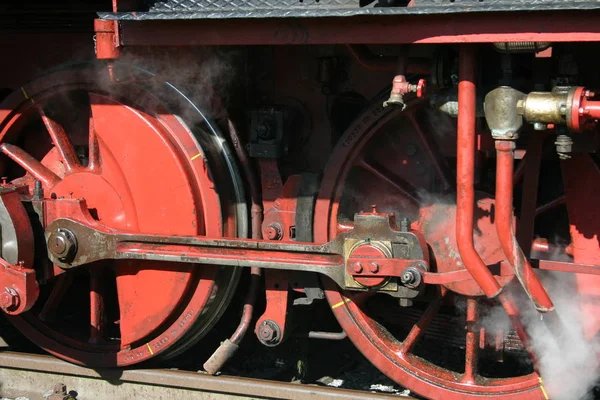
[(391, 158)]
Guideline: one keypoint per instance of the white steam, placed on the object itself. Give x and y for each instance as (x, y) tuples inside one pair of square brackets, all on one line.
[(566, 359)]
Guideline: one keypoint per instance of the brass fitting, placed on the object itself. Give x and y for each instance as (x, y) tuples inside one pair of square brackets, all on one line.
[(547, 107)]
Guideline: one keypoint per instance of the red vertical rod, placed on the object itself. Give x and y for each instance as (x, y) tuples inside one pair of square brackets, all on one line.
[(504, 226), (471, 341), (465, 174), (465, 197), (96, 306)]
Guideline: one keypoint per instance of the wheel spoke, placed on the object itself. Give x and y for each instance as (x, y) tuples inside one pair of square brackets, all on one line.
[(420, 327), (61, 142), (471, 351), (96, 305), (559, 201), (398, 183), (94, 150), (30, 164), (56, 295), (436, 159)]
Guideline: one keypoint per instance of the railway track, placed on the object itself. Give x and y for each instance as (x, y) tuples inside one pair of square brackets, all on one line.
[(32, 376)]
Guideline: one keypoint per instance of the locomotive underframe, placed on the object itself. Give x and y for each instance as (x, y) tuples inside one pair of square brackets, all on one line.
[(369, 254)]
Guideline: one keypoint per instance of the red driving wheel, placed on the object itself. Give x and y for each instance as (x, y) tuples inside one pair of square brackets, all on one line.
[(145, 159), (391, 158)]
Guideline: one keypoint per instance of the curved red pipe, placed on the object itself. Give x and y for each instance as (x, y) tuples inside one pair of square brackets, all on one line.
[(465, 174), (504, 217)]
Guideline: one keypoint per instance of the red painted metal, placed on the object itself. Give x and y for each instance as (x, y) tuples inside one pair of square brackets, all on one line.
[(465, 174), (584, 113), (581, 180), (393, 355), (504, 226), (159, 302), (471, 356), (271, 326), (438, 224), (279, 221), (97, 313), (369, 267), (107, 39), (564, 26), (19, 288)]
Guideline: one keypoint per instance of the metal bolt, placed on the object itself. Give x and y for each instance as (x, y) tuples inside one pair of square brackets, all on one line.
[(373, 267), (269, 333), (266, 333), (411, 277), (407, 277), (564, 146), (38, 191), (62, 244), (404, 224), (274, 232), (9, 299), (374, 208), (357, 267), (403, 302)]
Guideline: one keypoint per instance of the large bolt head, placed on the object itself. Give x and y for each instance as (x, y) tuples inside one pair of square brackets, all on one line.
[(273, 231), (9, 299), (266, 333), (411, 277), (357, 267), (62, 244), (373, 267), (269, 333)]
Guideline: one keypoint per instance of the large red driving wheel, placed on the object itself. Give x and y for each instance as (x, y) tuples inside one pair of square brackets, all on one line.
[(391, 158), (145, 159)]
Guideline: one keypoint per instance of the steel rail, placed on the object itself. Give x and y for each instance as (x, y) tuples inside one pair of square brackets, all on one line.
[(205, 383)]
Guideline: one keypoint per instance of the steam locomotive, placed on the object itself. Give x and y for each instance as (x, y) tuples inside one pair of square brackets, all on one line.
[(425, 169)]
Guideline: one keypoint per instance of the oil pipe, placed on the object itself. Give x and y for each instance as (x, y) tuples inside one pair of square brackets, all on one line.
[(465, 197), (504, 217), (465, 174), (228, 348)]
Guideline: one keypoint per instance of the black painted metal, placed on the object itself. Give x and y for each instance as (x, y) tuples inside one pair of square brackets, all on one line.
[(235, 9)]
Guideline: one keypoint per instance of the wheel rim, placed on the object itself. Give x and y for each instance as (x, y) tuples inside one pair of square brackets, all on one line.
[(150, 173), (355, 168)]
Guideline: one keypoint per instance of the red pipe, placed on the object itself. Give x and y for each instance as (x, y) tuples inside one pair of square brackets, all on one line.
[(591, 109), (504, 226), (465, 174)]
